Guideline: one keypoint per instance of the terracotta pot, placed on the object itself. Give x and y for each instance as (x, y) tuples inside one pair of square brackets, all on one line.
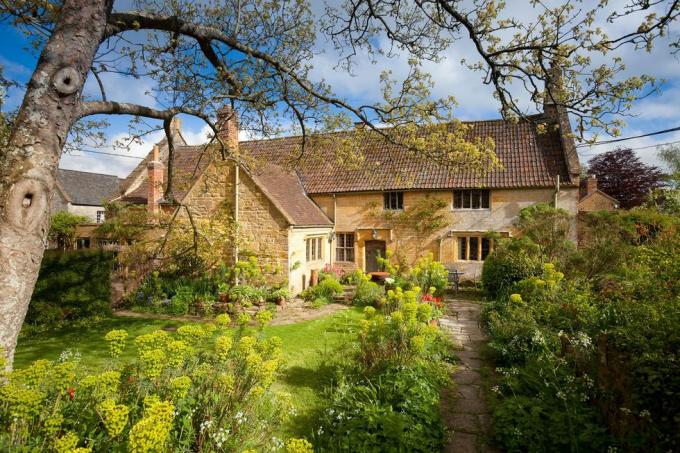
[(434, 322)]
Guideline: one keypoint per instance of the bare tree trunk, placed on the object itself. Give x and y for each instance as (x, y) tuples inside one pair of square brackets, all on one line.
[(28, 166)]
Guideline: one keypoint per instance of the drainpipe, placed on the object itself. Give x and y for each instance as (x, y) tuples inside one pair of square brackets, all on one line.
[(557, 190), (237, 178)]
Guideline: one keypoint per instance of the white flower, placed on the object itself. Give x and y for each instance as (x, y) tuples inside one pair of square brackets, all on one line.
[(320, 431)]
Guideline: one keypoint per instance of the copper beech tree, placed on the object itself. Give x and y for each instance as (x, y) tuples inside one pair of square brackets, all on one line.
[(256, 56)]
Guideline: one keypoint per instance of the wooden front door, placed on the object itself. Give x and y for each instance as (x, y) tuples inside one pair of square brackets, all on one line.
[(374, 249)]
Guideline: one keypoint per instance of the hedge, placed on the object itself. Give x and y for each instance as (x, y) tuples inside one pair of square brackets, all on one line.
[(71, 285)]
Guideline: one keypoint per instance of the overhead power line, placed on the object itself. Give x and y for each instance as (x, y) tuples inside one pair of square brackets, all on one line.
[(605, 142), (108, 154), (639, 147)]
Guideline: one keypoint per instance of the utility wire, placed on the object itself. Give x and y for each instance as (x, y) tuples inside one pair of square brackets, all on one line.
[(108, 154), (604, 142), (639, 147)]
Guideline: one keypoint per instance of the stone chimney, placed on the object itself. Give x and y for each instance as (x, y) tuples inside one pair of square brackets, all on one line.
[(175, 125), (227, 128), (552, 95), (154, 181)]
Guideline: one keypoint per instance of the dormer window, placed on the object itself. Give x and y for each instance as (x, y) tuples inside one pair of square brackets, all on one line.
[(394, 201)]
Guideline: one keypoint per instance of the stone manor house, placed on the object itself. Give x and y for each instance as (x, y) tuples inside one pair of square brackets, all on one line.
[(318, 212)]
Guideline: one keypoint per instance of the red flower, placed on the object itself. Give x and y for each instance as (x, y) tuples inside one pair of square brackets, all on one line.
[(71, 392)]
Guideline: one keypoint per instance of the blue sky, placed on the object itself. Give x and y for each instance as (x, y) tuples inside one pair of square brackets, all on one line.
[(660, 111)]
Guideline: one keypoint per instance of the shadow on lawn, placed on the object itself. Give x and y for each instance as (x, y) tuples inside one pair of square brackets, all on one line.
[(307, 380)]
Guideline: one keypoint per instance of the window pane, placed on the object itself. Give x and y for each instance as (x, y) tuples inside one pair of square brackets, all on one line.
[(466, 199), (386, 196), (307, 247), (486, 247), (400, 200), (457, 199), (462, 248), (476, 199), (350, 255), (319, 248), (474, 248), (485, 199), (313, 254)]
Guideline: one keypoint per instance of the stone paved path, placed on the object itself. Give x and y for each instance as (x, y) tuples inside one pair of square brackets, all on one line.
[(463, 407)]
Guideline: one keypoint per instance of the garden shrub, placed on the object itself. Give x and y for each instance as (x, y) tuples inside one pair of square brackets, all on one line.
[(170, 398), (387, 397), (428, 273), (322, 293), (511, 261), (71, 285), (588, 360), (368, 293), (397, 412)]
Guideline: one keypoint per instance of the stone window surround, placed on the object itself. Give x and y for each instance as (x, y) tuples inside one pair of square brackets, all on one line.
[(484, 198), (479, 241)]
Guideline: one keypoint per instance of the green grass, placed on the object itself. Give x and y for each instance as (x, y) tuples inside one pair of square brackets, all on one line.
[(308, 348)]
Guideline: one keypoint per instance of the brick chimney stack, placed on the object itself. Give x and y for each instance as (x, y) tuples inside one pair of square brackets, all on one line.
[(155, 180), (227, 128), (591, 184)]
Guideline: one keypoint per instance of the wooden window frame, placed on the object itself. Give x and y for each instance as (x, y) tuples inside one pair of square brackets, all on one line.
[(393, 200), (342, 249), (471, 200), (314, 249)]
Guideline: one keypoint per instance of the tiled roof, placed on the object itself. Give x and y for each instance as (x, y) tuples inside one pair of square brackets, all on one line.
[(190, 162), (140, 169), (90, 189), (528, 159), (284, 189)]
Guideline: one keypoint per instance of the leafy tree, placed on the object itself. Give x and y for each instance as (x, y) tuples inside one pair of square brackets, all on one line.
[(667, 199), (256, 55), (622, 175), (549, 228), (63, 228), (670, 155)]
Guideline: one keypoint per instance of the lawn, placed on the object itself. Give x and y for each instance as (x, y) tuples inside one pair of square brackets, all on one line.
[(308, 346)]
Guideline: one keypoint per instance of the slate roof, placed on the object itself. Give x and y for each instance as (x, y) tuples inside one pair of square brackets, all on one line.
[(528, 159), (90, 189)]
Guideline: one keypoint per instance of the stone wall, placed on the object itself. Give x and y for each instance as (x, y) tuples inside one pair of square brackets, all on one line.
[(262, 229), (362, 214)]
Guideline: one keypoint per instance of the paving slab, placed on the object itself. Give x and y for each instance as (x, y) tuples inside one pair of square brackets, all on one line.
[(464, 409)]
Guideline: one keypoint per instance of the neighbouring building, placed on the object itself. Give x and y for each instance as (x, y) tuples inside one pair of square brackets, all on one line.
[(593, 199), (305, 213), (83, 193)]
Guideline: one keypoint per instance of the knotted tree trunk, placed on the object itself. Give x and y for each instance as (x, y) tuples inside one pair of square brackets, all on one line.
[(28, 166)]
